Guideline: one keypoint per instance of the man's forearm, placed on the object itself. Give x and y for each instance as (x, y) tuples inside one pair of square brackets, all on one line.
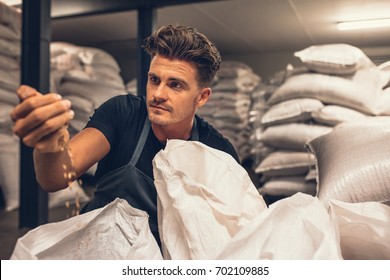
[(54, 171)]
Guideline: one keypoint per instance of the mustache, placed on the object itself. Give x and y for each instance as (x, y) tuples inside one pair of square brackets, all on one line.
[(156, 103)]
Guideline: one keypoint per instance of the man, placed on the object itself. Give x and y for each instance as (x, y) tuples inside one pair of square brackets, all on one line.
[(126, 132)]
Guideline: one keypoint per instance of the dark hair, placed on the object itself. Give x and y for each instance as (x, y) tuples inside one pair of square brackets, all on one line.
[(186, 43)]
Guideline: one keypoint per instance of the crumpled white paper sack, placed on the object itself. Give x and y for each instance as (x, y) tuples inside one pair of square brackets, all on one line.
[(205, 198), (294, 228), (364, 229), (116, 231)]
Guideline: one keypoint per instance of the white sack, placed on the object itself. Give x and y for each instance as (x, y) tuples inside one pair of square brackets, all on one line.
[(286, 162), (96, 93), (9, 33), (292, 135), (294, 228), (361, 91), (245, 83), (87, 56), (288, 186), (9, 170), (5, 119), (233, 69), (10, 16), (353, 161), (364, 229), (294, 110), (9, 79), (116, 231), (94, 77), (205, 197), (334, 114), (8, 96), (333, 58), (9, 63), (10, 48)]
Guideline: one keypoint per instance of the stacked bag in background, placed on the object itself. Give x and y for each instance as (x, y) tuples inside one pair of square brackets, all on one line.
[(10, 49), (353, 162), (338, 83), (132, 87), (85, 76), (230, 103)]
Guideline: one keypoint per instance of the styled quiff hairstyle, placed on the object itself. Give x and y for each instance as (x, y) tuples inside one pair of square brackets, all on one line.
[(188, 44)]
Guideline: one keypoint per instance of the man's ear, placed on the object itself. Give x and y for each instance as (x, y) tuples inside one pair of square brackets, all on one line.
[(204, 96)]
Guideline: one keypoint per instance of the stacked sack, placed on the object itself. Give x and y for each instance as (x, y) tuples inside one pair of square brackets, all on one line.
[(338, 83), (10, 42), (230, 103), (132, 87), (86, 76)]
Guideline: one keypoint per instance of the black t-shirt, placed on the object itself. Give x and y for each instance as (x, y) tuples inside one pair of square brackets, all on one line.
[(121, 120)]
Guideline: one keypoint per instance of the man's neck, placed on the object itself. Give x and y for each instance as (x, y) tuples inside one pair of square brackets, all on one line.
[(164, 133)]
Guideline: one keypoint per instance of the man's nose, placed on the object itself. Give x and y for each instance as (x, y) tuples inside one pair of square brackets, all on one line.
[(160, 92)]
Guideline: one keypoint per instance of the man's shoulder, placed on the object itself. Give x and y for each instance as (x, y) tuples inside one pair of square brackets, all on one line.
[(127, 97), (128, 102), (212, 138)]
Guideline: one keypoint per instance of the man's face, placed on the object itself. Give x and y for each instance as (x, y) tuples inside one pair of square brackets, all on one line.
[(172, 92)]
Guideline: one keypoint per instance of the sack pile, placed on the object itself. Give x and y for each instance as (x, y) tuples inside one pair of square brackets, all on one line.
[(10, 51), (86, 76), (338, 83), (10, 46), (353, 162), (230, 103)]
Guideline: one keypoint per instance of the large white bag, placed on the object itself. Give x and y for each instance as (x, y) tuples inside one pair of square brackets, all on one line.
[(353, 162), (116, 231), (364, 229), (205, 198), (294, 228)]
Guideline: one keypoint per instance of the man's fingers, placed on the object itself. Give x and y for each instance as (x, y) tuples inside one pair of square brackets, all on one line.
[(25, 92), (40, 116), (47, 128), (31, 104)]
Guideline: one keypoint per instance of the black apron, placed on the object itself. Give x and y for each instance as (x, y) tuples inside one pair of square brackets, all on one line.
[(132, 184)]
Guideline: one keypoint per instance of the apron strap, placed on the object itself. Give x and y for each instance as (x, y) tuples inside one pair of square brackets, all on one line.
[(144, 136), (195, 131), (141, 142)]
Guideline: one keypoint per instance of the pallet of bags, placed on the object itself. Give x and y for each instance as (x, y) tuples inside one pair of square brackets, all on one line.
[(10, 41), (87, 72), (230, 103), (340, 74), (340, 84)]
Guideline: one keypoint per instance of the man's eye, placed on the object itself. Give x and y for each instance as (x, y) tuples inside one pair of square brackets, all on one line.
[(176, 85), (154, 80)]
